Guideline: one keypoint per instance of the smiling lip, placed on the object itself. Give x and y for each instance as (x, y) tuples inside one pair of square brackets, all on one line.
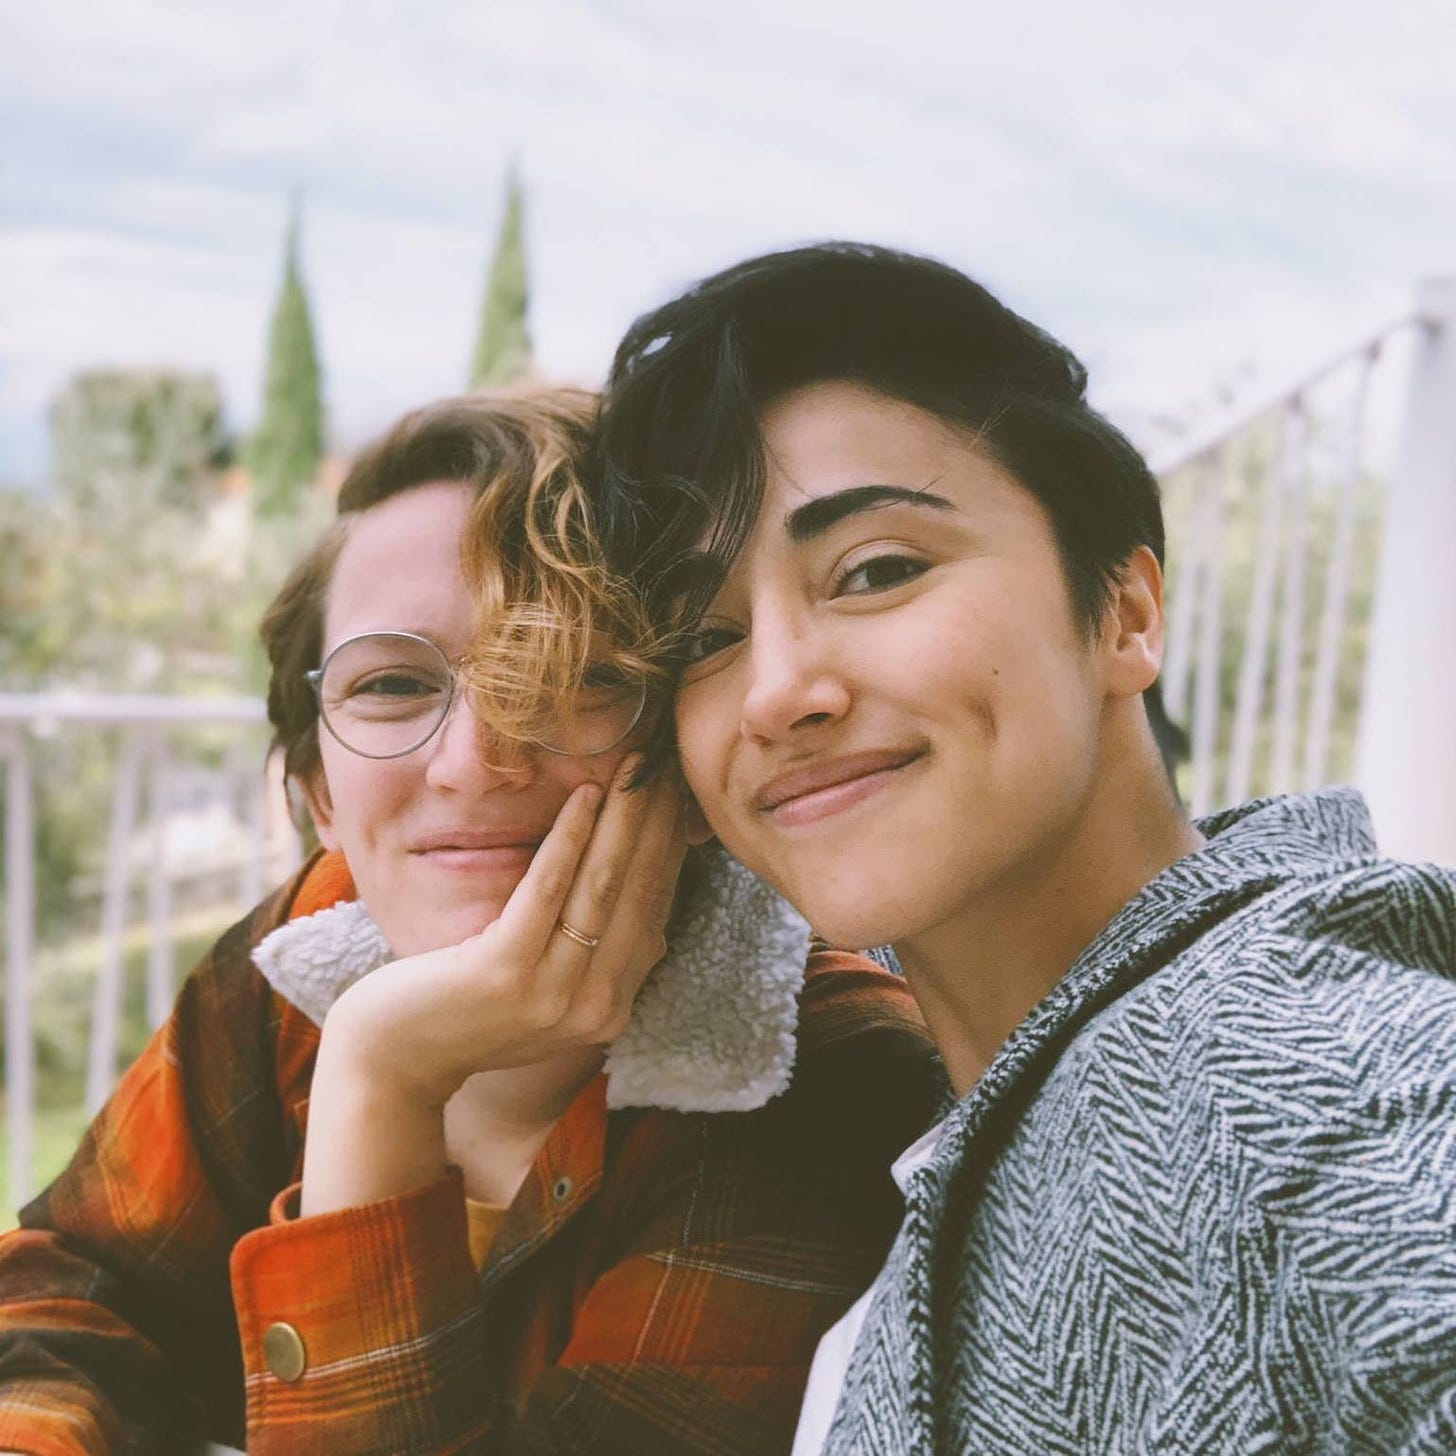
[(515, 838), (478, 849), (821, 789)]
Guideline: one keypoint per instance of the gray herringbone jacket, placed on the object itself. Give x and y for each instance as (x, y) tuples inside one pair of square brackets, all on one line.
[(1204, 1199)]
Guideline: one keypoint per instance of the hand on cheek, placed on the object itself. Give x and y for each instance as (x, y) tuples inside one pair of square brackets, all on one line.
[(400, 1043)]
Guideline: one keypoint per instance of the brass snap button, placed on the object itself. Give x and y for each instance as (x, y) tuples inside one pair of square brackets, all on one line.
[(284, 1352), (561, 1189)]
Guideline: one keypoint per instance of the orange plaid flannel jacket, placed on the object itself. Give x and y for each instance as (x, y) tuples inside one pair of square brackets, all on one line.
[(659, 1283)]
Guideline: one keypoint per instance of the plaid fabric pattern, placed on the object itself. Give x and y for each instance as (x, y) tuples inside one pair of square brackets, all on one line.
[(659, 1283)]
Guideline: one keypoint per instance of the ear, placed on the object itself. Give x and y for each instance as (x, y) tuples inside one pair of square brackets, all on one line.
[(696, 825), (1133, 649), (315, 789)]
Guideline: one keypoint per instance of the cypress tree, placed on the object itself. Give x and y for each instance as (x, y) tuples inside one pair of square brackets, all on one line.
[(285, 452), (503, 346)]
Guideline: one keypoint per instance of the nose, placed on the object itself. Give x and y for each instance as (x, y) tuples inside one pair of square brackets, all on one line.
[(794, 679), (466, 754)]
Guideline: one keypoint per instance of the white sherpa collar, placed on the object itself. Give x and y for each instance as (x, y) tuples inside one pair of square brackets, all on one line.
[(711, 1031)]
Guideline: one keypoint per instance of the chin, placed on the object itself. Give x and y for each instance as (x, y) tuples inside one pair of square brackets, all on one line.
[(857, 927), (884, 908), (878, 903), (426, 930)]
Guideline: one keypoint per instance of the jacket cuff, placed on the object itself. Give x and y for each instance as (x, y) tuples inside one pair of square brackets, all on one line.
[(334, 1308)]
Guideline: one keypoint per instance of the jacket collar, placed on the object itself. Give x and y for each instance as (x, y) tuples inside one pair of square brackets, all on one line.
[(713, 1029), (1248, 852)]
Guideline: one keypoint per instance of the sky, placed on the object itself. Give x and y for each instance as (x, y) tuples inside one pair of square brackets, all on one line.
[(1201, 202)]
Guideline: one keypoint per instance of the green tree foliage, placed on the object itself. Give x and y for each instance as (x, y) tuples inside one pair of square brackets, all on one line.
[(503, 347), (124, 596), (119, 581), (129, 439), (284, 453)]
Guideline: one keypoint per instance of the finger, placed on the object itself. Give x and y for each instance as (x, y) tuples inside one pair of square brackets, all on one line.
[(644, 905), (647, 955), (651, 943), (651, 884), (530, 916), (631, 948), (651, 871), (648, 943), (599, 981), (601, 872)]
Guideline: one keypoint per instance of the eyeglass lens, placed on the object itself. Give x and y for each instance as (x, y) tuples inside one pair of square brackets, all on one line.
[(384, 694)]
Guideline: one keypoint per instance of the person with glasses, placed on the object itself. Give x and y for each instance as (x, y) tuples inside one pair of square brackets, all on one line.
[(496, 1129)]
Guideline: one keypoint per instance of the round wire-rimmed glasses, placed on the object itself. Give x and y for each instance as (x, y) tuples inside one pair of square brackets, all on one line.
[(385, 694)]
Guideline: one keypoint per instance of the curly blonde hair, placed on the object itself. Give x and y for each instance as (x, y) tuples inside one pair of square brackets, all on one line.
[(547, 607)]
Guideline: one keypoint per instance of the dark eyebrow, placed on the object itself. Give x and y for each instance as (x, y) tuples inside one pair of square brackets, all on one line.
[(815, 517)]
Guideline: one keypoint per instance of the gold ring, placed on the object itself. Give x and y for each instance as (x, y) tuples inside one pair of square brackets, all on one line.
[(572, 933)]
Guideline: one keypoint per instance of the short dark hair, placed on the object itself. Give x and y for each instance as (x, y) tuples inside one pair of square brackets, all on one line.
[(682, 452)]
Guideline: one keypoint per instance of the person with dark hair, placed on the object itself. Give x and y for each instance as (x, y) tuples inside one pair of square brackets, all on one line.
[(1198, 1190), (423, 1161)]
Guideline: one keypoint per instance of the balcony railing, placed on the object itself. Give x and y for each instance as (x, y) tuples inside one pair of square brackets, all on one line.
[(1311, 604), (164, 747)]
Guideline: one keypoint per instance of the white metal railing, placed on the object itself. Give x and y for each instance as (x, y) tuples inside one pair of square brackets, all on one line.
[(1278, 518), (150, 761)]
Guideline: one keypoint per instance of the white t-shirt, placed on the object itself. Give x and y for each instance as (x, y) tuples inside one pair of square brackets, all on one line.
[(831, 1359)]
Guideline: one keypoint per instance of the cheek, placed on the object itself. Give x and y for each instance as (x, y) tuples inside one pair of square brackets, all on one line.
[(1006, 651), (703, 720), (1043, 715), (366, 796), (554, 777), (946, 664), (565, 774)]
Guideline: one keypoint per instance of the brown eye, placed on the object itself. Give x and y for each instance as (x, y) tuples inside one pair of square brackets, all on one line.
[(395, 685), (708, 639), (880, 573)]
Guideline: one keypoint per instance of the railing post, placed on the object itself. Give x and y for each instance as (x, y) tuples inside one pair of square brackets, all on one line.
[(19, 953), (1289, 649), (160, 978), (1207, 670), (1407, 756), (1333, 631), (1268, 556), (111, 979)]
